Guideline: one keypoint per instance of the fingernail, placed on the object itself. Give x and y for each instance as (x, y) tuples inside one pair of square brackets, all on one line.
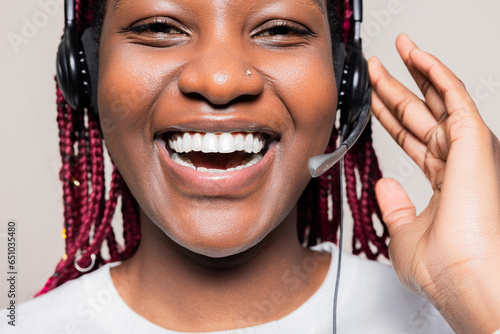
[(404, 35), (404, 38)]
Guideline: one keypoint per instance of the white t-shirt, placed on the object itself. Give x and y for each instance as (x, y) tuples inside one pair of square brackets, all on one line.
[(371, 300)]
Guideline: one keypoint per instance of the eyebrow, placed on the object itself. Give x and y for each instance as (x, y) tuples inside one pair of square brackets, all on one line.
[(319, 3)]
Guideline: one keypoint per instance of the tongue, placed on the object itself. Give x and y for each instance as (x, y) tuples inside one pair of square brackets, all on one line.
[(217, 160)]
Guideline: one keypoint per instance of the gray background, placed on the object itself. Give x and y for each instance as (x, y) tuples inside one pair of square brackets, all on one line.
[(463, 34)]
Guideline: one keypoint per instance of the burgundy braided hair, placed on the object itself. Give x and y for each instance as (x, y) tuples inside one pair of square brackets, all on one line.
[(88, 212), (319, 202)]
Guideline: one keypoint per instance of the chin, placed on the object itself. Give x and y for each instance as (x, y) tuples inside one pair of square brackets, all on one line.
[(218, 234), (219, 250)]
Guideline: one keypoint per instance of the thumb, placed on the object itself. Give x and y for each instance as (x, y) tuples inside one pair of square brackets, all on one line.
[(395, 205)]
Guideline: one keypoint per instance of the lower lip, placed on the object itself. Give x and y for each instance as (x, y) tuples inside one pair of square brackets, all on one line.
[(216, 184)]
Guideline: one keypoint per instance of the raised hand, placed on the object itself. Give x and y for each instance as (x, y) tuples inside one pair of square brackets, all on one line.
[(450, 253)]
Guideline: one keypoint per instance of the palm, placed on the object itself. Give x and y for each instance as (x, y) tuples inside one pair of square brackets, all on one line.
[(447, 139), (436, 156)]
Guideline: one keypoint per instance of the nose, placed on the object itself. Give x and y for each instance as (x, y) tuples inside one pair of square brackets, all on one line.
[(220, 75)]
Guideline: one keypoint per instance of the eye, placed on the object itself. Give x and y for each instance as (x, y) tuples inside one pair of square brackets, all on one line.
[(282, 28), (160, 27), (157, 26), (157, 32)]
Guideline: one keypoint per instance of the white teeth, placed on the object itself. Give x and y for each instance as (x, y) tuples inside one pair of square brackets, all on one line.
[(209, 144), (226, 143), (178, 145), (252, 161), (197, 141), (184, 161), (212, 143), (186, 142), (249, 143), (239, 142), (256, 145)]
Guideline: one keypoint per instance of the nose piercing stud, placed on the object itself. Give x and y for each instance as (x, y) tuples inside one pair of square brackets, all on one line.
[(248, 72)]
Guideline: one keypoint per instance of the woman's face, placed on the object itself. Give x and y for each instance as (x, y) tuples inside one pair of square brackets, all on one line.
[(247, 88)]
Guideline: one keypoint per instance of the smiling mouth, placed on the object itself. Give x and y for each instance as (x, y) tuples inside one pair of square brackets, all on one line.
[(216, 152)]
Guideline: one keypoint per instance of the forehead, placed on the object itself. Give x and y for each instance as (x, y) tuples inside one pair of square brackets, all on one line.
[(318, 3)]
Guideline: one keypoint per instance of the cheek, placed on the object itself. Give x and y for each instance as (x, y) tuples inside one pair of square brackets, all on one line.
[(126, 92), (317, 107), (318, 101), (309, 92)]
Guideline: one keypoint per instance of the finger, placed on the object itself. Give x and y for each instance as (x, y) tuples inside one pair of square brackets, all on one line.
[(395, 205), (408, 142), (464, 131), (446, 83), (412, 112), (432, 97), (470, 181)]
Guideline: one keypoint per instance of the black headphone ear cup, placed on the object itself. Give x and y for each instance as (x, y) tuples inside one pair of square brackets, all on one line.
[(339, 55), (90, 46), (71, 69), (343, 103), (354, 87)]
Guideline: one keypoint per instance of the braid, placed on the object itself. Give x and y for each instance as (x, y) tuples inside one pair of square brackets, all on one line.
[(87, 212), (361, 172), (329, 190), (81, 177), (322, 195), (70, 196), (131, 226)]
